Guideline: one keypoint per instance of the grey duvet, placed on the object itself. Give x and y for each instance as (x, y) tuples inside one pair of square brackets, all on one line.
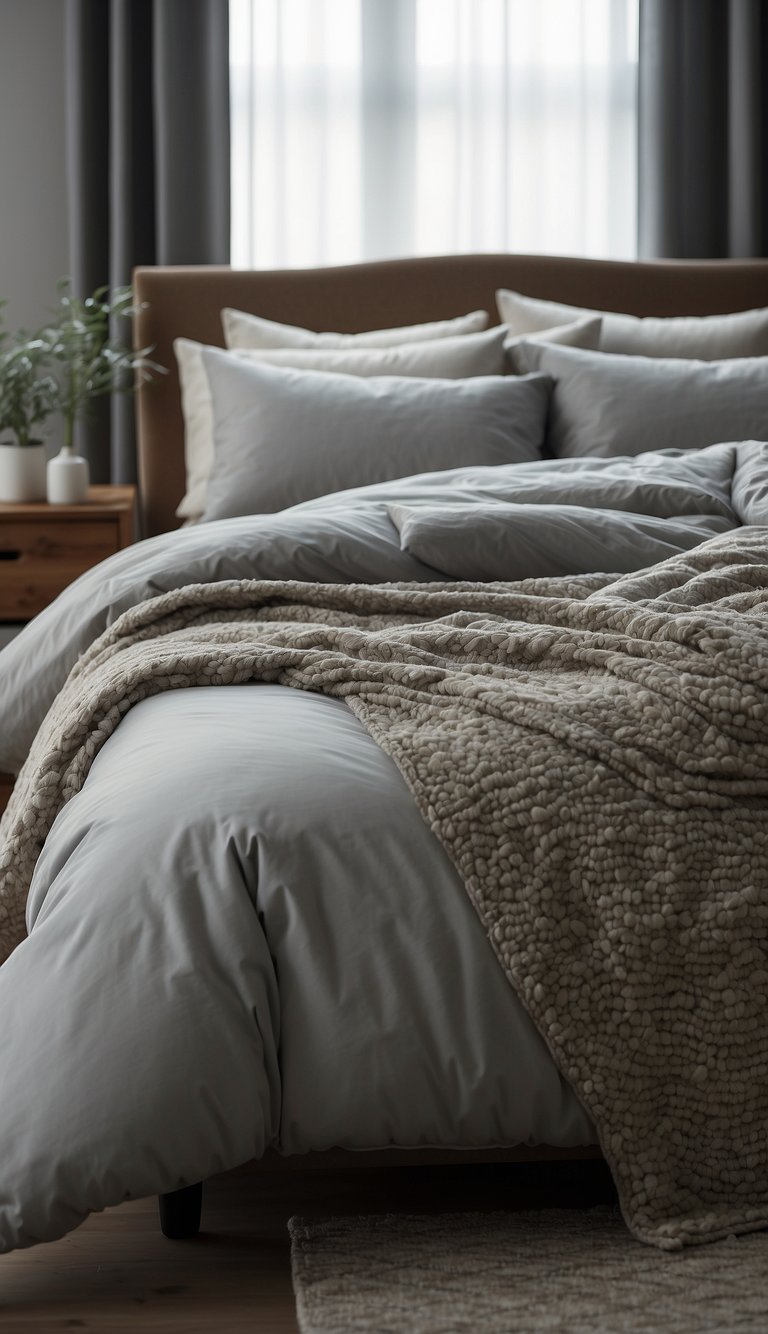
[(241, 930)]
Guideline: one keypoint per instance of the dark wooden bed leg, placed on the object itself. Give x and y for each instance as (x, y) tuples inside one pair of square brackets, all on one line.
[(180, 1212)]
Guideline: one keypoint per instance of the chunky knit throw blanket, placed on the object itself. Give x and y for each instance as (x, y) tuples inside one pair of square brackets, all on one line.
[(595, 761)]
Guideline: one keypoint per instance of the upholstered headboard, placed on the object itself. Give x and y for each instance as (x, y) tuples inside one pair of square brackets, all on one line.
[(186, 302)]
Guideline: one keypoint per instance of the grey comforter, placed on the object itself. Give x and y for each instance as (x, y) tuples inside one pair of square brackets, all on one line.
[(241, 931)]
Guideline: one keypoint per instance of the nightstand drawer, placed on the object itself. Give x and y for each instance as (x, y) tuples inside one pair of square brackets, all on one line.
[(38, 560)]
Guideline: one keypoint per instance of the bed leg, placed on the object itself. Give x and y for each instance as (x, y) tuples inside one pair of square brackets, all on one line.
[(180, 1212)]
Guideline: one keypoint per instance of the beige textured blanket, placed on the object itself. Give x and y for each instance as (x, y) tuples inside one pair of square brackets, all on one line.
[(595, 761)]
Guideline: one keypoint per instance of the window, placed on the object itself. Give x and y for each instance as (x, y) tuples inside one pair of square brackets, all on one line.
[(363, 129)]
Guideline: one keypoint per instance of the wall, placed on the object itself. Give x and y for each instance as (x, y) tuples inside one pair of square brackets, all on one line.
[(33, 205), (7, 633)]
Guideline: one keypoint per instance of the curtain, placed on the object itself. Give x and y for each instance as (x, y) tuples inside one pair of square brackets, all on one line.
[(703, 128), (148, 141), (368, 128)]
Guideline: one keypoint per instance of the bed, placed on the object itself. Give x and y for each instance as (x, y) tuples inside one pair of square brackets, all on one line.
[(303, 1077)]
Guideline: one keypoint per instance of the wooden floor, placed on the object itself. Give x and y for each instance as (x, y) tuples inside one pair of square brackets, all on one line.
[(118, 1273)]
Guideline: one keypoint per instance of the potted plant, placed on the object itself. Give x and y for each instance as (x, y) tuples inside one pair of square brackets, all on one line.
[(89, 362), (27, 398)]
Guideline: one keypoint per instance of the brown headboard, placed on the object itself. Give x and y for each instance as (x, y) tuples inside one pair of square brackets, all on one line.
[(186, 302)]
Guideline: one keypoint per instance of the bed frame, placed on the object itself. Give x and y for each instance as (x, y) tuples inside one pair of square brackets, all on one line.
[(185, 302)]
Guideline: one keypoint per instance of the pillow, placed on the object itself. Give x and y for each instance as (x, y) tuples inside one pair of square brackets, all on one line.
[(446, 358), (708, 337), (251, 331), (749, 488), (610, 405), (506, 542), (581, 333), (283, 436), (437, 358)]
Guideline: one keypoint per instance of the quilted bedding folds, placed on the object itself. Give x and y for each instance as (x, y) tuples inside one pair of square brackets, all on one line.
[(591, 755)]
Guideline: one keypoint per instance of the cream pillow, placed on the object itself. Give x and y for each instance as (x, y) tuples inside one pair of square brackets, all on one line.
[(456, 358), (704, 338), (242, 330)]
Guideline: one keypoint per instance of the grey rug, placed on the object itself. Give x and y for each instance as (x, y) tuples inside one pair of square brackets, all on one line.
[(519, 1273)]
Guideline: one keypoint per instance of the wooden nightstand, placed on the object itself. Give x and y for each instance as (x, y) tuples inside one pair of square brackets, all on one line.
[(44, 547)]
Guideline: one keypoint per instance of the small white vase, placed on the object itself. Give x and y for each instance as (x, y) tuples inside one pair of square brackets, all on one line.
[(67, 478), (22, 473)]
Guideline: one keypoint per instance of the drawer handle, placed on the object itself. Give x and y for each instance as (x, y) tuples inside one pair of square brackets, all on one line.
[(9, 555)]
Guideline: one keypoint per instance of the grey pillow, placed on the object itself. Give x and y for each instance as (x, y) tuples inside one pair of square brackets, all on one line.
[(505, 542), (446, 358), (611, 405), (709, 337), (282, 436)]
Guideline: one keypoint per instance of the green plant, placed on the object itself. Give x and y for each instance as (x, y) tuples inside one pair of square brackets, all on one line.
[(27, 397), (89, 361)]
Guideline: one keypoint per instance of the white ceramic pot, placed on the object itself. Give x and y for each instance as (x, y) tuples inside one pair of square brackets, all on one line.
[(22, 473), (67, 480)]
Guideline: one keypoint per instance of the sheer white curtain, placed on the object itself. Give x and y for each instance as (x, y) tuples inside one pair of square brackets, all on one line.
[(368, 128)]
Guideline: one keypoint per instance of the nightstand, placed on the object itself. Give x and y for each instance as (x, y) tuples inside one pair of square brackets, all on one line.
[(44, 547)]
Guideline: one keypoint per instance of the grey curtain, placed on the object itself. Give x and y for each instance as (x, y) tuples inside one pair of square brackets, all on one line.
[(703, 175), (148, 138)]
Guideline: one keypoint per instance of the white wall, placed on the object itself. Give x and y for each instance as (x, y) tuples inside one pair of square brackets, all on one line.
[(33, 205)]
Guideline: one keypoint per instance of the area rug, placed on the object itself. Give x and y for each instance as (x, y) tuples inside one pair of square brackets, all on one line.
[(519, 1273)]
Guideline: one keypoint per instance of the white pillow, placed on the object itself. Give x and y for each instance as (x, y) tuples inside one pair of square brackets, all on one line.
[(581, 333), (444, 358), (283, 436), (706, 338), (251, 331)]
